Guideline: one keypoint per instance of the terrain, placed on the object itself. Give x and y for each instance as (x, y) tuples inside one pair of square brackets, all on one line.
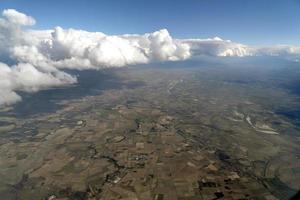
[(164, 132)]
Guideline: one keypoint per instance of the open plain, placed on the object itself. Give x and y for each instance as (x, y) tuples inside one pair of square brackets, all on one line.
[(157, 133)]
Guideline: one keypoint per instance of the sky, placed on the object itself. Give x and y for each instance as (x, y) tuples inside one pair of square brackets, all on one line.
[(39, 40), (251, 22)]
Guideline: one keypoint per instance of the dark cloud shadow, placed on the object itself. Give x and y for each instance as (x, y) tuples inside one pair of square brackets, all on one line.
[(90, 82)]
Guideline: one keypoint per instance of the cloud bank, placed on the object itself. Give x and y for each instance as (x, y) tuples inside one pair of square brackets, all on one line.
[(40, 56)]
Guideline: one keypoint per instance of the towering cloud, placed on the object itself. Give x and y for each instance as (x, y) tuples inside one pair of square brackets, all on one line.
[(37, 57), (17, 45)]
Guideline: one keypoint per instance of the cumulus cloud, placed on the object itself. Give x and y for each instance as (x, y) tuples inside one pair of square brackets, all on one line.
[(26, 77), (40, 56), (16, 17), (80, 49), (218, 47)]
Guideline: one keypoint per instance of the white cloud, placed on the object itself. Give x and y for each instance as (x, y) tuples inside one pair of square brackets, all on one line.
[(16, 17), (76, 48), (26, 77), (278, 50), (41, 55), (218, 47)]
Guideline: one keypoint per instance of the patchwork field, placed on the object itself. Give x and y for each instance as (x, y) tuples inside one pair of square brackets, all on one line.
[(163, 134)]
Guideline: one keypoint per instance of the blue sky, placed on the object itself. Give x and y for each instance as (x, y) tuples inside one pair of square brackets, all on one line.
[(255, 22)]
